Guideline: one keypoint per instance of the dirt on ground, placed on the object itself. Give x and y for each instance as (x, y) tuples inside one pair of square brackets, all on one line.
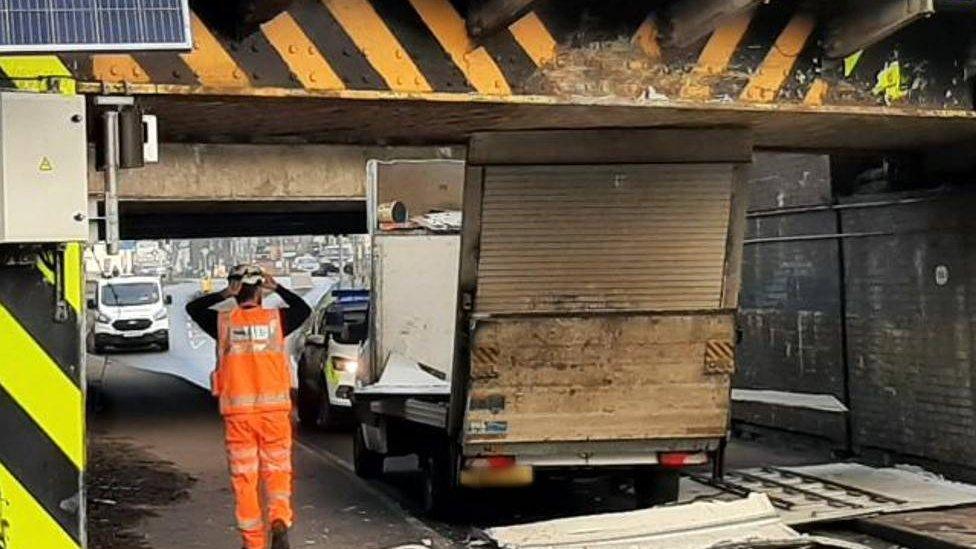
[(126, 484)]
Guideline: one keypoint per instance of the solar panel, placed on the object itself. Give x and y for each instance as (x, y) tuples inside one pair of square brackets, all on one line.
[(94, 25)]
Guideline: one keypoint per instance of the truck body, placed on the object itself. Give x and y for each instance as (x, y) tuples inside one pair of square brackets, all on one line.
[(584, 319)]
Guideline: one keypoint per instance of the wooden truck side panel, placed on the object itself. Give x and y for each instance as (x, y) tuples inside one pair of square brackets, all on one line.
[(626, 377)]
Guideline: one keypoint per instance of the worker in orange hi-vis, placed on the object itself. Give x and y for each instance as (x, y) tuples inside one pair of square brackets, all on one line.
[(252, 381)]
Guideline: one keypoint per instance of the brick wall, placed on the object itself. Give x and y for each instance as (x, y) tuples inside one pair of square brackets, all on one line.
[(911, 308)]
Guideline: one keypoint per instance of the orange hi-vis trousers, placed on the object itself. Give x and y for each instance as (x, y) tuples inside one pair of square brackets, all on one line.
[(259, 449)]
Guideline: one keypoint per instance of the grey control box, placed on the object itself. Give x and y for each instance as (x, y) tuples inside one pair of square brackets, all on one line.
[(43, 168)]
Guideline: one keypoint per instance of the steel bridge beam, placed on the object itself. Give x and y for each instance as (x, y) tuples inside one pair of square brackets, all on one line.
[(489, 16), (867, 23)]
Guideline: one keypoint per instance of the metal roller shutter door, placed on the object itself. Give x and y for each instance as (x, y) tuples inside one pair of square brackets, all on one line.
[(568, 239)]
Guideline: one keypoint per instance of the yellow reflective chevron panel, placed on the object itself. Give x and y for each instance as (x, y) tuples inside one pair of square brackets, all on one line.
[(41, 404), (37, 73)]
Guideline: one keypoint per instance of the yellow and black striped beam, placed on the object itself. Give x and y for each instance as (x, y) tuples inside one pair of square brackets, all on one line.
[(42, 456), (36, 73), (414, 48), (408, 46)]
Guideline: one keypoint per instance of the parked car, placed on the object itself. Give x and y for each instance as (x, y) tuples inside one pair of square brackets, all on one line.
[(325, 269), (305, 263), (329, 360), (127, 312)]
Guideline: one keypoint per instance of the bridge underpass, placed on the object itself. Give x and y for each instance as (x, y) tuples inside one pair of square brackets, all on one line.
[(155, 406), (414, 75), (223, 190), (282, 193)]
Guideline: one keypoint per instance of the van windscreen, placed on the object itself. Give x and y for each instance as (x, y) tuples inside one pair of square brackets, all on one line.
[(134, 293)]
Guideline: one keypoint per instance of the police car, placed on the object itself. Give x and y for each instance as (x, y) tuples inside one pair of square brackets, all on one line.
[(329, 360)]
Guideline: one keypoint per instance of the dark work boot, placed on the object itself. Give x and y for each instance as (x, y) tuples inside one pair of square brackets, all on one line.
[(279, 535)]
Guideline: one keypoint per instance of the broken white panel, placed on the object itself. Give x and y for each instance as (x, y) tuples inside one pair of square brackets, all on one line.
[(440, 221), (415, 285), (917, 488), (835, 491), (404, 376), (301, 281), (698, 525), (810, 401)]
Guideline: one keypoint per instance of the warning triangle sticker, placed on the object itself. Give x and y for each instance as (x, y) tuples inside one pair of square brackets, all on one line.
[(45, 165)]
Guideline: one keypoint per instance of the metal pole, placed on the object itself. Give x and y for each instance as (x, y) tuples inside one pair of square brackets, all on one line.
[(111, 129), (342, 260)]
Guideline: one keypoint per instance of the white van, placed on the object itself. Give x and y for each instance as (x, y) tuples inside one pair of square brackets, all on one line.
[(129, 311)]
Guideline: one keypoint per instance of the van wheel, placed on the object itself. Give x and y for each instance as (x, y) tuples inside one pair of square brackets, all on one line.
[(656, 486), (366, 463)]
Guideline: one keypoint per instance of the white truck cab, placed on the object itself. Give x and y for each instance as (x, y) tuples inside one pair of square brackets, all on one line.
[(127, 312)]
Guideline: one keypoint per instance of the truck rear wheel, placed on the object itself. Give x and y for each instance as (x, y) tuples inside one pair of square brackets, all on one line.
[(366, 463), (309, 404), (656, 486), (329, 417), (309, 397), (439, 491)]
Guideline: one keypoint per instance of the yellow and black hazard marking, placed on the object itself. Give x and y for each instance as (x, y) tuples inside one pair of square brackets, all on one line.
[(36, 73), (422, 46), (770, 54), (415, 46), (42, 456), (719, 357), (486, 356)]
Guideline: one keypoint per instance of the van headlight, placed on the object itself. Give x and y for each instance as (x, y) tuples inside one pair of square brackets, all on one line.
[(102, 318), (160, 314), (346, 365)]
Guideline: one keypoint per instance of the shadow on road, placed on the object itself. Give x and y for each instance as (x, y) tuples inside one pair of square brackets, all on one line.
[(124, 392)]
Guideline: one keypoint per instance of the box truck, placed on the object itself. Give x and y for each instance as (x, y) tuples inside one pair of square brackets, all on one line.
[(579, 318)]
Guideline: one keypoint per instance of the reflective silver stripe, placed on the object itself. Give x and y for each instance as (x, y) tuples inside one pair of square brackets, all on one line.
[(243, 468), (251, 348), (269, 467), (279, 496), (250, 524), (241, 401), (275, 455), (246, 453), (253, 338)]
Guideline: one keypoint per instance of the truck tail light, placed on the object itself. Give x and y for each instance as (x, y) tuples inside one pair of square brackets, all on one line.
[(490, 462), (674, 460)]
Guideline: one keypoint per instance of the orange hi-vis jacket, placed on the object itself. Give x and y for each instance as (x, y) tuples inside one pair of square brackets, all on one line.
[(252, 374)]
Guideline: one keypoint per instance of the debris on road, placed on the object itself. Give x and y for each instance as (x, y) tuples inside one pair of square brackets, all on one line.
[(835, 491), (125, 484), (749, 522), (944, 528)]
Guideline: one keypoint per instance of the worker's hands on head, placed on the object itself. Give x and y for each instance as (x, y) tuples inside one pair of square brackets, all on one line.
[(269, 283), (233, 288)]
